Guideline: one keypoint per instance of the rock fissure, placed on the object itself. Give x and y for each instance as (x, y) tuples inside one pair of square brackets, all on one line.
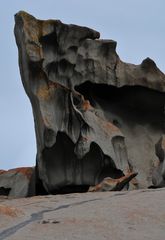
[(38, 217)]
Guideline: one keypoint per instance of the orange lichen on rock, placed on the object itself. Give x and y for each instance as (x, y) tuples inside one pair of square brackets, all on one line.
[(10, 211), (45, 92), (26, 171), (2, 171), (109, 184), (86, 105), (111, 127)]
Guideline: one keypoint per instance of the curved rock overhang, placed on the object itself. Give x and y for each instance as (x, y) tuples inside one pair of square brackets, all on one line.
[(95, 116)]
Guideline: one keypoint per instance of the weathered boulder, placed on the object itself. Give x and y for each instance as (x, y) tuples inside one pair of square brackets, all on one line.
[(95, 116), (17, 182), (110, 184), (158, 177)]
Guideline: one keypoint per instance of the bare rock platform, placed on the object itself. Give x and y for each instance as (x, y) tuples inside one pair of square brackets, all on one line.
[(134, 215)]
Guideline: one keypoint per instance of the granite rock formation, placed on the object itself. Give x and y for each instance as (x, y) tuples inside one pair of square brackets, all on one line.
[(17, 182), (129, 215), (110, 184), (95, 116), (159, 170)]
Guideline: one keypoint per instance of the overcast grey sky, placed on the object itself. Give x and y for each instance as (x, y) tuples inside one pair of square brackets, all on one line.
[(137, 25)]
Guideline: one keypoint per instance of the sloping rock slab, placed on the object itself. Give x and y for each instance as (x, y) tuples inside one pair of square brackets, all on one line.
[(134, 215)]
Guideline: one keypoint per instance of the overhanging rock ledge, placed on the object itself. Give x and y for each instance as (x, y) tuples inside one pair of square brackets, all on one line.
[(95, 116)]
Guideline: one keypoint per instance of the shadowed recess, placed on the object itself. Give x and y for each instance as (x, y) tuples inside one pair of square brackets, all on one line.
[(131, 103), (64, 168), (138, 112)]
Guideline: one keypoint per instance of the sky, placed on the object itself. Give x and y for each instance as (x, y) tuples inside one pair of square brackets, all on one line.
[(138, 26)]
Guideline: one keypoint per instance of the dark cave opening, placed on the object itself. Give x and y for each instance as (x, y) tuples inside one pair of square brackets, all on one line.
[(139, 113), (133, 103), (67, 174), (4, 191)]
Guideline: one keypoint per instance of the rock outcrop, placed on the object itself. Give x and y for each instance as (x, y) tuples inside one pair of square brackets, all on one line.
[(129, 215), (17, 182), (95, 116)]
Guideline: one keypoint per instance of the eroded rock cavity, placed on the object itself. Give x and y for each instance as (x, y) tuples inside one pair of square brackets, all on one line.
[(95, 116)]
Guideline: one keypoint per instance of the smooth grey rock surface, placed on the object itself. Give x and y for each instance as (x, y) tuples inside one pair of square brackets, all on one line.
[(129, 215), (18, 182), (95, 116)]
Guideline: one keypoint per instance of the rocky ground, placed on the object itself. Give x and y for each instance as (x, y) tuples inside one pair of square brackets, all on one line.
[(138, 214)]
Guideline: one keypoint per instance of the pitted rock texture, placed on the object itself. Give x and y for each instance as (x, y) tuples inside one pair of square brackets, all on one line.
[(95, 116)]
